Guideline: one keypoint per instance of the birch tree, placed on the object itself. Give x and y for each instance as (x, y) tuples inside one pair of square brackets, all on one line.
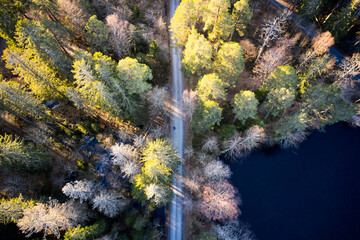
[(83, 190), (348, 73), (120, 34), (76, 15), (216, 170), (272, 30), (189, 98), (51, 217), (109, 203), (220, 201)]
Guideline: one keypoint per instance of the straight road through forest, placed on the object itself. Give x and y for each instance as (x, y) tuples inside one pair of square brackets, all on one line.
[(175, 224)]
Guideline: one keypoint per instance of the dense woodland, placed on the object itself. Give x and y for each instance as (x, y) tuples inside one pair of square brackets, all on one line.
[(85, 106)]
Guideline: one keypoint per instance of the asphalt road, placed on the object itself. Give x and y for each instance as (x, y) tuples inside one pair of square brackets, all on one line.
[(175, 224)]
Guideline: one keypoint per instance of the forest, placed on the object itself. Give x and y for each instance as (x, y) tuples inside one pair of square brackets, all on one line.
[(86, 102)]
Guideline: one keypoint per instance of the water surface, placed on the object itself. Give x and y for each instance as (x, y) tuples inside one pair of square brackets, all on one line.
[(312, 192)]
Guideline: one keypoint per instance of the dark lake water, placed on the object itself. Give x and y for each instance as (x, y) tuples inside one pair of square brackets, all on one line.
[(311, 193)]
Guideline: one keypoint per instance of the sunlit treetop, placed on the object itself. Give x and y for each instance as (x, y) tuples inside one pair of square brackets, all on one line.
[(185, 18), (197, 54), (282, 77)]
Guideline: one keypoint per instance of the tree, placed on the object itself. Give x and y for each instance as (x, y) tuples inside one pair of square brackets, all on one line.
[(218, 21), (241, 16), (234, 230), (229, 62), (318, 66), (211, 87), (51, 217), (216, 170), (33, 35), (340, 23), (282, 77), (109, 203), (347, 74), (46, 8), (92, 90), (41, 78), (158, 193), (10, 12), (273, 57), (126, 157), (22, 103), (197, 54), (277, 100), (76, 15), (245, 105), (206, 115), (272, 30), (157, 99), (325, 105), (320, 45), (160, 161), (134, 75), (211, 144), (219, 201), (292, 124), (17, 155), (120, 34), (97, 34), (185, 18), (11, 210), (238, 146), (189, 103), (88, 232), (107, 72), (83, 190)]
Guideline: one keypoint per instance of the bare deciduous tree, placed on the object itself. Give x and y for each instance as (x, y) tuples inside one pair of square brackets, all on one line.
[(273, 58), (51, 218), (157, 98), (349, 71), (233, 230), (211, 144), (189, 103), (110, 203), (77, 15), (122, 153), (217, 170), (121, 33), (320, 45), (82, 190), (292, 140), (157, 132), (272, 30), (238, 146), (220, 201)]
